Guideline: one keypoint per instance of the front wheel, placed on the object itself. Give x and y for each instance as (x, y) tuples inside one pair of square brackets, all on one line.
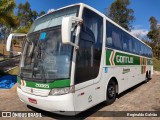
[(110, 92)]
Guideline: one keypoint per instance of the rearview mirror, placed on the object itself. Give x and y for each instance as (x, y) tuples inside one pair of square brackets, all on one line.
[(66, 29), (9, 41)]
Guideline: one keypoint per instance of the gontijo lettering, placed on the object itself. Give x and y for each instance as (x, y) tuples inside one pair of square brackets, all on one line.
[(124, 59)]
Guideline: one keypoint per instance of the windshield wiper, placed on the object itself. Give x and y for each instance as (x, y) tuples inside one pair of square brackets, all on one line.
[(38, 59), (43, 73)]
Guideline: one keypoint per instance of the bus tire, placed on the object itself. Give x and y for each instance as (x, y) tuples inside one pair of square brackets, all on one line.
[(111, 92), (147, 77), (150, 75)]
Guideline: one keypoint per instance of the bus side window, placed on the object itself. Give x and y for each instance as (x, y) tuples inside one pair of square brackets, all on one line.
[(125, 46), (116, 39), (130, 46), (90, 47), (113, 36), (141, 49), (133, 46), (109, 41)]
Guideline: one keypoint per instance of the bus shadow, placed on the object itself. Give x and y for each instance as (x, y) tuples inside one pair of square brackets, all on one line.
[(80, 116), (88, 113), (130, 90)]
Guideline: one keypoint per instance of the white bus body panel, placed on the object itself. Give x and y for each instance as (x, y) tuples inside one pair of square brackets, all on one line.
[(50, 103), (91, 92)]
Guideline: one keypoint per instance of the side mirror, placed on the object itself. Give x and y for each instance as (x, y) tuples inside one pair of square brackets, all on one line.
[(66, 29), (9, 41), (8, 44)]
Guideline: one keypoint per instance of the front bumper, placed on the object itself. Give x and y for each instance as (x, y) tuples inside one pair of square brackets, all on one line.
[(62, 104)]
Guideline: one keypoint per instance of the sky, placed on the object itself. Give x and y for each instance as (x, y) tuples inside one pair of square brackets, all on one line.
[(143, 9)]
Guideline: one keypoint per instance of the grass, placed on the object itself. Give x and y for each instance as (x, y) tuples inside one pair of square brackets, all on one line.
[(13, 71), (156, 64)]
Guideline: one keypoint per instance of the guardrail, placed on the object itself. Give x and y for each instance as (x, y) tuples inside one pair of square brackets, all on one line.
[(9, 63)]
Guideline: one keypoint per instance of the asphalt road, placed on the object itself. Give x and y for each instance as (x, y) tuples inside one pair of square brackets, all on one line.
[(143, 97)]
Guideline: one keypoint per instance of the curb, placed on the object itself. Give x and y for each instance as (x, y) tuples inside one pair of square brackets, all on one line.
[(10, 69)]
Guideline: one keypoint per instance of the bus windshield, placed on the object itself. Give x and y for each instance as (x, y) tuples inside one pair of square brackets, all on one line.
[(44, 57), (54, 18)]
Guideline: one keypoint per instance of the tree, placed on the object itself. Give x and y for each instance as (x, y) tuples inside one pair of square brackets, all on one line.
[(153, 23), (154, 35), (41, 13), (121, 14), (7, 16), (26, 17), (24, 14), (34, 15)]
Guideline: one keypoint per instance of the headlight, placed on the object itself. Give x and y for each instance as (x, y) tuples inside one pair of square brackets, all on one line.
[(61, 91), (18, 85)]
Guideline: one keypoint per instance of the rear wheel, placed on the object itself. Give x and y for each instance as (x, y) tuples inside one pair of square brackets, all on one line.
[(150, 75), (110, 92), (147, 77)]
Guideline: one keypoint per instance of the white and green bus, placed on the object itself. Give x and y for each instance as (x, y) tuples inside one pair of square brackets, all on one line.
[(75, 58)]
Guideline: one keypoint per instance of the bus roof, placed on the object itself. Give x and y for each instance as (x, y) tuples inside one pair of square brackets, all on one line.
[(60, 9), (101, 14)]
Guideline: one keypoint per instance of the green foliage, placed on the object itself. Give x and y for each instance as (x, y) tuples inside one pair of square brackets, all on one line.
[(34, 15), (7, 16), (26, 17), (121, 14), (153, 23), (15, 41), (41, 13), (24, 14), (154, 35), (13, 71), (24, 29), (156, 64)]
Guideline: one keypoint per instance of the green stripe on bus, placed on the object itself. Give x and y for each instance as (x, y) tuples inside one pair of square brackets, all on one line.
[(108, 54), (149, 62), (18, 80), (55, 84), (125, 59)]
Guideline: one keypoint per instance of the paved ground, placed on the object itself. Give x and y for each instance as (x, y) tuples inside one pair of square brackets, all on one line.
[(143, 97)]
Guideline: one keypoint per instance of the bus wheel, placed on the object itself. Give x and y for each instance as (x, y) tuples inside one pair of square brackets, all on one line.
[(110, 92), (147, 77), (150, 75)]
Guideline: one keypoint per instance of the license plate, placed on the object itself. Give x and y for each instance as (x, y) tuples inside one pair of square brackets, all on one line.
[(32, 100)]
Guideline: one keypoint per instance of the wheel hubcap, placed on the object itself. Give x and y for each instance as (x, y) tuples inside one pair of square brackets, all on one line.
[(111, 91)]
